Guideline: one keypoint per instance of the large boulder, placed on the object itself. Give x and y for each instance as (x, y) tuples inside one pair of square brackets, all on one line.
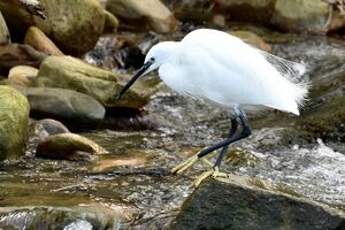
[(14, 118), (103, 85), (74, 26), (4, 33), (302, 15), (63, 104), (143, 15), (244, 203)]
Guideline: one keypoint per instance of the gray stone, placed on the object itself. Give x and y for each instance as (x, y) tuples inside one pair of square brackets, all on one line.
[(240, 203), (63, 103)]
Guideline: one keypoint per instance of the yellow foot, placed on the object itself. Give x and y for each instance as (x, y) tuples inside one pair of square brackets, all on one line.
[(214, 173), (185, 165), (180, 168)]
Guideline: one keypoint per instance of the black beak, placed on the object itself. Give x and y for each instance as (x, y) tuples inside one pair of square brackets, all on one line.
[(140, 72)]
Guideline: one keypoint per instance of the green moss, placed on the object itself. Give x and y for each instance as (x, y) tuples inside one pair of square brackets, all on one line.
[(14, 118)]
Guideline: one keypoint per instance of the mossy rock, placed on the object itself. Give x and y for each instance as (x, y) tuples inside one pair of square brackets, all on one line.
[(74, 26), (71, 73), (302, 15), (14, 118)]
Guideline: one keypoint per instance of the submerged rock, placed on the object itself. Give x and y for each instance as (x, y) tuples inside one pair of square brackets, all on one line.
[(103, 85), (4, 33), (86, 217), (237, 203), (63, 104), (22, 75), (143, 15), (14, 118), (68, 146), (38, 40)]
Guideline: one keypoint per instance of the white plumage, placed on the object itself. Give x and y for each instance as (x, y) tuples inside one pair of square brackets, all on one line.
[(216, 66)]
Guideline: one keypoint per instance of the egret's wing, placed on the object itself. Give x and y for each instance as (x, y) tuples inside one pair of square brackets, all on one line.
[(246, 75)]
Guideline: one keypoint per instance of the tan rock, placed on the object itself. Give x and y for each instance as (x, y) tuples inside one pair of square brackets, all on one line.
[(38, 40), (67, 146), (111, 22), (252, 39), (4, 33), (22, 75), (141, 15)]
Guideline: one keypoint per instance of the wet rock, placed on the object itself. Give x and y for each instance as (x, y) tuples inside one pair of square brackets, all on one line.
[(14, 118), (73, 26), (202, 11), (63, 104), (22, 75), (305, 15), (4, 33), (143, 15), (68, 146), (85, 217), (238, 203), (47, 127), (252, 39), (38, 40), (103, 85), (111, 22), (16, 54)]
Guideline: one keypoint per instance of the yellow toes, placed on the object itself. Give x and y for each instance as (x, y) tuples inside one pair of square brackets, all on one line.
[(185, 165)]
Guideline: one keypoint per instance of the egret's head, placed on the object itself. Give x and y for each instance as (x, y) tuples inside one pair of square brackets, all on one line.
[(157, 55)]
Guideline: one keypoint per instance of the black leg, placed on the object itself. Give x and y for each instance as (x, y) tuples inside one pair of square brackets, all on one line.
[(233, 129), (246, 131)]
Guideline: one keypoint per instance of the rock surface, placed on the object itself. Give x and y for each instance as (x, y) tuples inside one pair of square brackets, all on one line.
[(103, 85), (14, 118), (4, 33), (301, 16), (149, 14), (22, 75), (16, 54), (111, 22), (38, 40), (68, 146), (74, 26), (63, 104), (238, 203), (86, 217)]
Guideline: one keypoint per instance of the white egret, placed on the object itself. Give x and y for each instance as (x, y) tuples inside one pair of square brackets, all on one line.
[(222, 69)]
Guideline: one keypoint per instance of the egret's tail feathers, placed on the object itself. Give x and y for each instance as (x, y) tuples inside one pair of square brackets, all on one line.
[(292, 71)]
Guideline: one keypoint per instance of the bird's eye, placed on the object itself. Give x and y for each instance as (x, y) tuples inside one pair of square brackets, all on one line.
[(152, 59)]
